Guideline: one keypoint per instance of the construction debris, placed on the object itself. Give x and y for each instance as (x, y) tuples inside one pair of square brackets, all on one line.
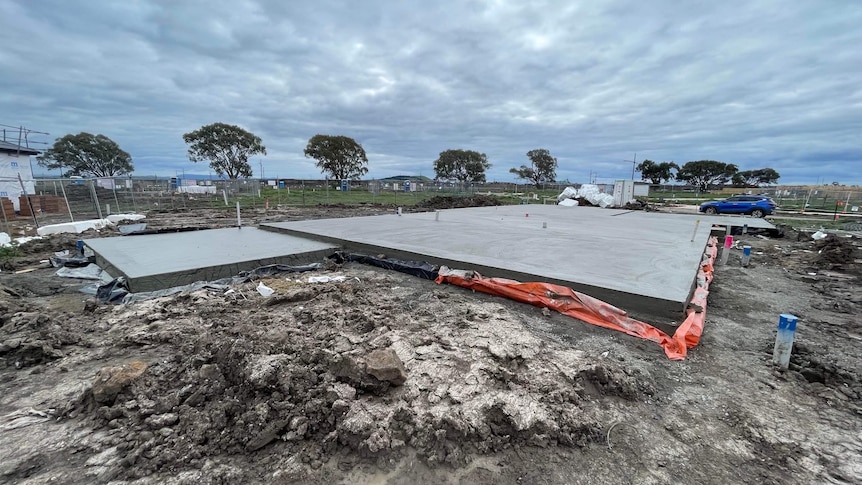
[(587, 193)]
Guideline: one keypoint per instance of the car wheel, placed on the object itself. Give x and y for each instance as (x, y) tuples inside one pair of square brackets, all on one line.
[(758, 213), (711, 211)]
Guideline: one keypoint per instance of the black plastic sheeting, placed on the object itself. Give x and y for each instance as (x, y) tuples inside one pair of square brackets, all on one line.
[(113, 291), (70, 261), (117, 291), (165, 230), (419, 269), (778, 232)]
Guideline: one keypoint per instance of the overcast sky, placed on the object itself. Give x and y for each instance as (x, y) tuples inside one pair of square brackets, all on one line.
[(755, 83)]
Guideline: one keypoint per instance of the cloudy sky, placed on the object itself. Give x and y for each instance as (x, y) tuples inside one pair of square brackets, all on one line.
[(759, 84)]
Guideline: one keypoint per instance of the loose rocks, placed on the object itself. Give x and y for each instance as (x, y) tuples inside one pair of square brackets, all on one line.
[(111, 380), (386, 366)]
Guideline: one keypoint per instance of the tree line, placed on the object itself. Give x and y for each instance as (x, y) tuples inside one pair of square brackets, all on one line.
[(704, 173), (228, 149)]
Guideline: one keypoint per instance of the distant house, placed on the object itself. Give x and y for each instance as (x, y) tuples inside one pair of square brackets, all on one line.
[(14, 161)]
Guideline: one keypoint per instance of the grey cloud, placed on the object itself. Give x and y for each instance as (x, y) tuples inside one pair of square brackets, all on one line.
[(757, 84)]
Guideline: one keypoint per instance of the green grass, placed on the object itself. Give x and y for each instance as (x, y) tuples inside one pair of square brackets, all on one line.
[(8, 252), (320, 196)]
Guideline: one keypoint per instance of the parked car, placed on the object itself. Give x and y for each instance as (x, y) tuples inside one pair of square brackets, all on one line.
[(753, 205)]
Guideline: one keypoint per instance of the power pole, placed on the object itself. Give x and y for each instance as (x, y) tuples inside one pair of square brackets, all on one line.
[(633, 165)]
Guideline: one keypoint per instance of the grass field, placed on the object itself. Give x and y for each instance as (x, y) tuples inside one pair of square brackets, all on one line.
[(252, 195)]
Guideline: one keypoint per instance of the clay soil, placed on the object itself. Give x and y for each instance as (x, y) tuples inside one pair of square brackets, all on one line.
[(231, 387)]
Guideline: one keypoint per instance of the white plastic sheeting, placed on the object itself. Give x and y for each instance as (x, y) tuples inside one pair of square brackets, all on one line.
[(264, 290), (196, 189), (589, 192), (89, 272), (12, 165), (5, 240), (327, 279), (81, 226)]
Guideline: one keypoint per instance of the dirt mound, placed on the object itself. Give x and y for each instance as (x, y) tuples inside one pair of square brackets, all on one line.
[(61, 242), (314, 377), (32, 252), (835, 252), (28, 337), (638, 205), (452, 202)]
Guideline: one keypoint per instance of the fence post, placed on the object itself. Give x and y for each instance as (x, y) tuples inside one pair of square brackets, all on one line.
[(26, 196), (95, 198), (132, 188), (68, 207), (116, 200)]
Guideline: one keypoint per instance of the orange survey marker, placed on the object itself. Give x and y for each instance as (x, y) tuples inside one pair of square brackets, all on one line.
[(596, 312)]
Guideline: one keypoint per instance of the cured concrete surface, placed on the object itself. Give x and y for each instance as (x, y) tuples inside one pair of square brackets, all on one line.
[(719, 220), (644, 263), (158, 261)]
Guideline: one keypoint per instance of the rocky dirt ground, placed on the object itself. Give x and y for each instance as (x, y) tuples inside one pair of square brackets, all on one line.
[(387, 378)]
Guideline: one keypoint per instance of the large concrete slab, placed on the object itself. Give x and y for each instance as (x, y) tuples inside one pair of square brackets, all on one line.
[(724, 220), (645, 263), (158, 261)]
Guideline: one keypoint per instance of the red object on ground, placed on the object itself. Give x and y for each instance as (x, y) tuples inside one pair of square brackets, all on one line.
[(596, 312)]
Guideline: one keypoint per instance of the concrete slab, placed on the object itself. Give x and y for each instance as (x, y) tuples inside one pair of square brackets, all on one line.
[(725, 220), (158, 261), (642, 262)]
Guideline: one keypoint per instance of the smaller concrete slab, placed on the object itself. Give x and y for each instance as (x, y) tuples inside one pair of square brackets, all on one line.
[(159, 261)]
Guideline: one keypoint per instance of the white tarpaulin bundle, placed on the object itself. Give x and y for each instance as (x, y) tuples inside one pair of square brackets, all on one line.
[(589, 192)]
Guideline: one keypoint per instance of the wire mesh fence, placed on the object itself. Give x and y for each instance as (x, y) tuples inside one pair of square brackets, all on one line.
[(56, 200), (824, 198)]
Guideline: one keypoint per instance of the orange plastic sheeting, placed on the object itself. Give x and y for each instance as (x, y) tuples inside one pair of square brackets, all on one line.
[(593, 311), (688, 333)]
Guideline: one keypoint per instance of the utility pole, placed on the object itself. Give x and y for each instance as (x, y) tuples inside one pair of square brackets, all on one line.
[(261, 169), (633, 165)]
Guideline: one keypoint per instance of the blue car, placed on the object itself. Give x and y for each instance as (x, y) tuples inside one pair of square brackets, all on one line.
[(753, 205)]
